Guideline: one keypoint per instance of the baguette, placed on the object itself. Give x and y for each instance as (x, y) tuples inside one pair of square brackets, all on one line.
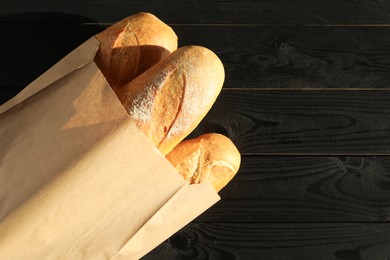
[(170, 99), (208, 158), (133, 45)]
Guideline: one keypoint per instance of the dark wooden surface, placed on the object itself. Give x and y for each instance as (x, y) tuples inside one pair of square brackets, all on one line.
[(306, 100)]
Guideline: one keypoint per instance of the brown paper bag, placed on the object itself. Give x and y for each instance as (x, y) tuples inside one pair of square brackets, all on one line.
[(78, 180)]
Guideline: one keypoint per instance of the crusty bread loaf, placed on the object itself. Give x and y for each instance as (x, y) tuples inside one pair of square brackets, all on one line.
[(208, 158), (170, 99), (133, 45)]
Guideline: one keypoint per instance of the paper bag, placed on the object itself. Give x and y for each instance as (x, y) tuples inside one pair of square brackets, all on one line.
[(78, 180)]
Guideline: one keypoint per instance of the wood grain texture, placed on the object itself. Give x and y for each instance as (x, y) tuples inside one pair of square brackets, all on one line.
[(296, 56), (277, 241), (216, 11), (253, 56), (302, 122), (298, 189)]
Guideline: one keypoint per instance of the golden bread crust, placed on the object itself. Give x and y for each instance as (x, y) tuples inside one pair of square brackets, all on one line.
[(133, 45), (170, 99), (208, 158)]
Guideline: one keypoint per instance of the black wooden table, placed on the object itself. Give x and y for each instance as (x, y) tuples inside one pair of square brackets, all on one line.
[(306, 100)]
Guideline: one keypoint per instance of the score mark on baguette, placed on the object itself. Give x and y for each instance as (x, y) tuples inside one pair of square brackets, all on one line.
[(133, 45), (170, 99)]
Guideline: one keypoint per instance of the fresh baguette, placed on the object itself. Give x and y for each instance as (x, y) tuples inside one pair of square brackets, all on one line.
[(208, 158), (133, 45), (170, 99)]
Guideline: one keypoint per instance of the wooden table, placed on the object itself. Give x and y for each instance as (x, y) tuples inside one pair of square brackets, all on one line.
[(306, 100)]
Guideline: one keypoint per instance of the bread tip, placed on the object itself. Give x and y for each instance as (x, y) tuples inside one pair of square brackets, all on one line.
[(211, 157), (202, 55), (145, 14)]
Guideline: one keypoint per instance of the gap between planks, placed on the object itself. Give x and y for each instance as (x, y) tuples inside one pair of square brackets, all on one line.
[(305, 89), (209, 24), (261, 25), (317, 154)]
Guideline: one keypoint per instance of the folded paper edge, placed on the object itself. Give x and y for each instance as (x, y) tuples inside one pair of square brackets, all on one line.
[(189, 202)]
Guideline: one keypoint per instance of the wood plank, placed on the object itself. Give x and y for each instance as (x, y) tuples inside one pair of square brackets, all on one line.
[(302, 189), (253, 56), (277, 241), (216, 11), (296, 56), (302, 122)]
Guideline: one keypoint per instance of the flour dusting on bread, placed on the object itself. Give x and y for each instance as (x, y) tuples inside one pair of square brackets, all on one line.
[(140, 107)]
